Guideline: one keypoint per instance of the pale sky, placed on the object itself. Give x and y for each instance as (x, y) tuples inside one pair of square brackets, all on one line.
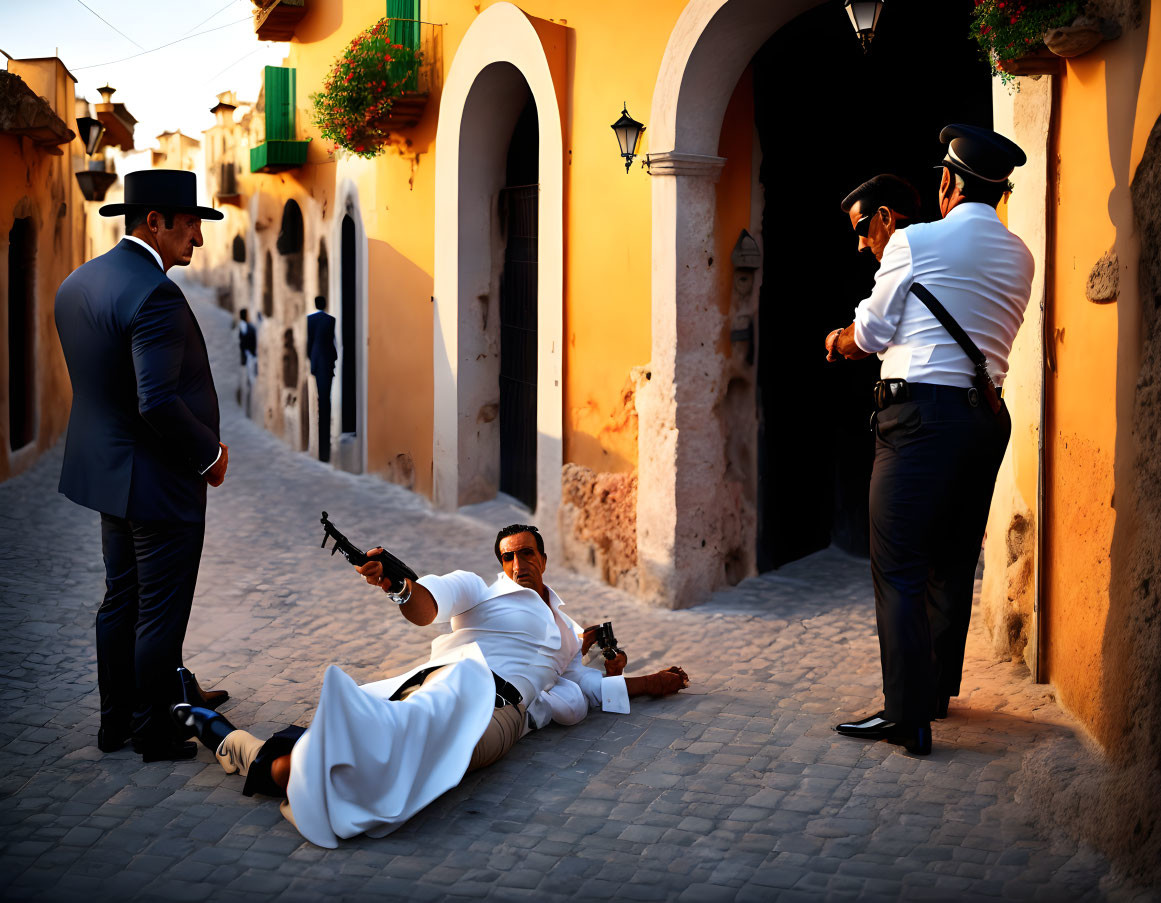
[(169, 89)]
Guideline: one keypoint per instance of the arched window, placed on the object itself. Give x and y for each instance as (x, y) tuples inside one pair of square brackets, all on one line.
[(289, 243), (239, 249), (324, 270), (268, 287)]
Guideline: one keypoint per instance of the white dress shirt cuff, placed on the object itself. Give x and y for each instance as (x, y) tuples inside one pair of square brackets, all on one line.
[(213, 462), (614, 695)]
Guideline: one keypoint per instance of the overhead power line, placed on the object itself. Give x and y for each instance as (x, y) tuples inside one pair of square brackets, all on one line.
[(162, 47), (229, 3), (110, 24)]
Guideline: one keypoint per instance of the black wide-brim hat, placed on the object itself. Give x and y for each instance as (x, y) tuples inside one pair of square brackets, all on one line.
[(980, 152), (161, 189)]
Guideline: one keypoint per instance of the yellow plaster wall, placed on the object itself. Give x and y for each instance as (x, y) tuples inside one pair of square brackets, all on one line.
[(40, 185), (599, 64), (1106, 110)]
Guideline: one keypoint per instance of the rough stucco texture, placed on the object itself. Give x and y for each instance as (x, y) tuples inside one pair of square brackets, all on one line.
[(1112, 801), (599, 524), (1007, 595)]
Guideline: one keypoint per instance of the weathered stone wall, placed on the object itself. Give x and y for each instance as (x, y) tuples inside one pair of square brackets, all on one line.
[(598, 518)]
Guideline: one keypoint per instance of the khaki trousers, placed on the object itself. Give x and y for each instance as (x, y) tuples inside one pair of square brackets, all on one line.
[(237, 752)]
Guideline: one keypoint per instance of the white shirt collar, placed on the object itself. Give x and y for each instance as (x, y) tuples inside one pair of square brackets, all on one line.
[(156, 256), (508, 585)]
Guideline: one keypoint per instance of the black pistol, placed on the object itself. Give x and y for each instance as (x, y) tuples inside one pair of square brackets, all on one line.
[(603, 637), (393, 568)]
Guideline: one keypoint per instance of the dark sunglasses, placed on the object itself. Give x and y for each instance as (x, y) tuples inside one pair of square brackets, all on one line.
[(523, 553), (863, 226)]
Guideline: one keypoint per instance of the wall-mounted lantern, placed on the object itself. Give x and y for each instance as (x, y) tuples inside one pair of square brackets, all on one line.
[(94, 180), (90, 131), (628, 131), (864, 17)]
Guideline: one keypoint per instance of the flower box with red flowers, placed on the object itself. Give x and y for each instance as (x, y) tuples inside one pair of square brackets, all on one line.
[(381, 83), (1011, 33)]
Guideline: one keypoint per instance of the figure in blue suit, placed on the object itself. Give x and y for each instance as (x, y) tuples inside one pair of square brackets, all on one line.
[(320, 348), (142, 446)]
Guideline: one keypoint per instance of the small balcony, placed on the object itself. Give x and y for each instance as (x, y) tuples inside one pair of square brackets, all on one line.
[(278, 155), (227, 190), (408, 108), (276, 20)]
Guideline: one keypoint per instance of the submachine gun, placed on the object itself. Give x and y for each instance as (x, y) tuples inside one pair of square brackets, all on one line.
[(393, 568)]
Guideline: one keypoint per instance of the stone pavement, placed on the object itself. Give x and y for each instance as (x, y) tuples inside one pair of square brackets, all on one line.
[(736, 789)]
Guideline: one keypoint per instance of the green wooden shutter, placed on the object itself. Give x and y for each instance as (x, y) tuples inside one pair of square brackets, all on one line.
[(279, 103), (404, 27)]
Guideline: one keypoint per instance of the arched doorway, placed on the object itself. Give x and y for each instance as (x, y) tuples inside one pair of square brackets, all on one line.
[(21, 333), (862, 119), (349, 331), (499, 269), (820, 137)]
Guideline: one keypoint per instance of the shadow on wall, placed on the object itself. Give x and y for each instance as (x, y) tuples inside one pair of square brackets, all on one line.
[(400, 386)]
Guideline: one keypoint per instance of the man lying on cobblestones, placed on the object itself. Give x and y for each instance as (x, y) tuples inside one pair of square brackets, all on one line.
[(376, 754)]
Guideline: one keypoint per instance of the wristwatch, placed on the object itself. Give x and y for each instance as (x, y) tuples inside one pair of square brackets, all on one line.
[(400, 598)]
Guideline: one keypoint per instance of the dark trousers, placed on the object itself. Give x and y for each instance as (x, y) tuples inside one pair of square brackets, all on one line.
[(323, 381), (935, 469), (151, 569)]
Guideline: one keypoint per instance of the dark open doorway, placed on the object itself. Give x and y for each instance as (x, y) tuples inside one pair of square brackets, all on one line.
[(519, 200), (829, 117), (21, 333), (349, 328)]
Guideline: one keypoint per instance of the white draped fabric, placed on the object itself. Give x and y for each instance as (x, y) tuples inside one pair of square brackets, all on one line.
[(367, 764)]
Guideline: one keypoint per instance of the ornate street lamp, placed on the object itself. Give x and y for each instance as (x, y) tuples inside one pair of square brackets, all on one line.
[(628, 131), (864, 17)]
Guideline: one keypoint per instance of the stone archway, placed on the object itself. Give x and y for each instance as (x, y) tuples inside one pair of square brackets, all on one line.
[(681, 515), (500, 59)]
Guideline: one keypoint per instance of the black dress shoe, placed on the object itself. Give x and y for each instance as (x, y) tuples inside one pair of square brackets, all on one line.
[(110, 739), (873, 727), (915, 738), (165, 750), (192, 692), (941, 704), (210, 727)]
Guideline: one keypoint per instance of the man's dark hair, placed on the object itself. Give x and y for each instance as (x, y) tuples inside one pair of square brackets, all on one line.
[(243, 314), (320, 302), (137, 216), (976, 189), (885, 190), (515, 529)]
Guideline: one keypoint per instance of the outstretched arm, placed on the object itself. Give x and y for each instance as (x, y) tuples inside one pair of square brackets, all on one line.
[(420, 609), (663, 683)]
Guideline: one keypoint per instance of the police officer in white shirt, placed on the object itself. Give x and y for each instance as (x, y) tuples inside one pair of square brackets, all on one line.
[(938, 443)]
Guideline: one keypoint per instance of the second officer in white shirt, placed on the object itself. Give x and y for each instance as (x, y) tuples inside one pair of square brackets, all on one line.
[(938, 444)]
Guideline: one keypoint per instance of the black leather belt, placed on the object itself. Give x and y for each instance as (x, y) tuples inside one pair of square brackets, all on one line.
[(506, 694), (897, 391)]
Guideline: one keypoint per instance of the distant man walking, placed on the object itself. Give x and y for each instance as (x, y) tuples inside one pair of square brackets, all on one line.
[(938, 442), (142, 446), (320, 348), (248, 352)]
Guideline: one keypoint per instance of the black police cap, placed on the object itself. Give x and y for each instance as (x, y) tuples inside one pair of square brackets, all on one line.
[(979, 152)]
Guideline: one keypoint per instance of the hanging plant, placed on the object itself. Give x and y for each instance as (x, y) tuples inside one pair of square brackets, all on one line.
[(1011, 29), (358, 92)]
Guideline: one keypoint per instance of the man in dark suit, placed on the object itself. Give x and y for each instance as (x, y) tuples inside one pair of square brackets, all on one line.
[(142, 446), (320, 348)]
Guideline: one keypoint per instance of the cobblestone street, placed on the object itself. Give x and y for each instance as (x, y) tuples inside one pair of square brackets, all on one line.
[(736, 789)]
